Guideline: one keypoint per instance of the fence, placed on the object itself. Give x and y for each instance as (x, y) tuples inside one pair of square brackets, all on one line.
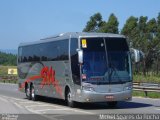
[(146, 87)]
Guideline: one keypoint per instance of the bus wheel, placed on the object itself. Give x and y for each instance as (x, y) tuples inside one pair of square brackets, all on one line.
[(33, 95), (112, 104), (28, 92), (70, 102)]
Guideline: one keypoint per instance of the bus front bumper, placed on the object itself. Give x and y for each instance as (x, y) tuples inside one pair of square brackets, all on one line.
[(88, 96)]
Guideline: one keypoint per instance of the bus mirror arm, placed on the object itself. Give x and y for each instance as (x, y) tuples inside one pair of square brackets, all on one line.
[(80, 56)]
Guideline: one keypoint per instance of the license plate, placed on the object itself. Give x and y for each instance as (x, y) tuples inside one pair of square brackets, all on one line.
[(110, 97)]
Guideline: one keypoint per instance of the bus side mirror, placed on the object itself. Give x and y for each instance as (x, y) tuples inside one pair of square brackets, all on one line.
[(136, 55), (80, 56)]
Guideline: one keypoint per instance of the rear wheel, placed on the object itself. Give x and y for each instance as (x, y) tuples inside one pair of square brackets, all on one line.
[(112, 104), (28, 92), (69, 100)]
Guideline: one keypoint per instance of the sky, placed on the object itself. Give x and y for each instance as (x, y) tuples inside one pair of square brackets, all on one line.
[(31, 20)]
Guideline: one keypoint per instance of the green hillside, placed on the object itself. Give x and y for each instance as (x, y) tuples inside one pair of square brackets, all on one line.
[(8, 59)]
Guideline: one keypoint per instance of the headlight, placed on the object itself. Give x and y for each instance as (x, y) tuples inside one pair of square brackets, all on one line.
[(88, 88), (128, 88)]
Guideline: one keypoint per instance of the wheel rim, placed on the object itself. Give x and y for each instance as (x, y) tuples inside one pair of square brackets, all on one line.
[(33, 95), (28, 92), (69, 97)]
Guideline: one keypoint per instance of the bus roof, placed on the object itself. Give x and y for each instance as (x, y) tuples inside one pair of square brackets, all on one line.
[(72, 35)]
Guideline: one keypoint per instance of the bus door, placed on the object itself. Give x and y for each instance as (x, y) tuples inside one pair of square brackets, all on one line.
[(75, 67)]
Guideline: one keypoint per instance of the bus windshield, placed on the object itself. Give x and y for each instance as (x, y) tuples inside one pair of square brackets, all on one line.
[(106, 60)]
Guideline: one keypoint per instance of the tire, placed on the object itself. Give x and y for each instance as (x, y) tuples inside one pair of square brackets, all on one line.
[(34, 97), (69, 100), (28, 92), (112, 104)]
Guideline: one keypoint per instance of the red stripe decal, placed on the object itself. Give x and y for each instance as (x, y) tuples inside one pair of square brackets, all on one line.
[(48, 78)]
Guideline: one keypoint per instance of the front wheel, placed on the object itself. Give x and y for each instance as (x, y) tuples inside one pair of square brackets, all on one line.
[(69, 100)]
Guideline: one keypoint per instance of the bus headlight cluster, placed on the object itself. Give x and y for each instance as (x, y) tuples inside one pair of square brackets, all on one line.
[(128, 88), (88, 88)]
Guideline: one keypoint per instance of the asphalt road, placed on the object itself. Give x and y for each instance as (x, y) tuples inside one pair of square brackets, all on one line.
[(14, 102)]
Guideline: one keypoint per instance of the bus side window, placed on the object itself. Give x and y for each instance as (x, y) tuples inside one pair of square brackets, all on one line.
[(74, 61), (20, 54)]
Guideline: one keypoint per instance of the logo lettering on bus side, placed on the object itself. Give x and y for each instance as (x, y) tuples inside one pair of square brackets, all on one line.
[(48, 78)]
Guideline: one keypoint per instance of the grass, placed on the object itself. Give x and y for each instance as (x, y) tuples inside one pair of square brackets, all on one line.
[(148, 78), (7, 81), (150, 94)]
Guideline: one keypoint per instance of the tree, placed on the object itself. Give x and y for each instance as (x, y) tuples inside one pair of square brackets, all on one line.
[(94, 24), (111, 26), (152, 42), (158, 26), (142, 27), (144, 36), (131, 31), (7, 59), (158, 46)]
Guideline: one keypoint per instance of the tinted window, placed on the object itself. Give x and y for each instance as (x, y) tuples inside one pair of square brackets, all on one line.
[(116, 44), (51, 51), (74, 61), (94, 44), (106, 60), (112, 44), (19, 54)]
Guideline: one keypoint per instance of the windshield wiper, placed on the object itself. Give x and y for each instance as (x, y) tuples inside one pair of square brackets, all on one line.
[(113, 70)]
